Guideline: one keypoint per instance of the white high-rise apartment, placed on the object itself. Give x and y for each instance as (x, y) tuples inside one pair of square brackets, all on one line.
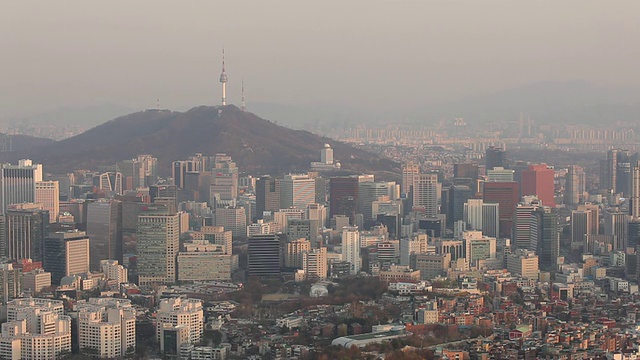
[(48, 194), (35, 329), (107, 326), (426, 193), (351, 248), (185, 312)]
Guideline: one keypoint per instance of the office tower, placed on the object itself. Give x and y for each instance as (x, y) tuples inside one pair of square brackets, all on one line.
[(575, 185), (430, 265), (263, 256), (108, 182), (302, 229), (545, 237), (465, 171), (634, 201), (321, 190), (106, 327), (414, 245), (66, 254), (538, 180), (617, 224), (179, 313), (104, 229), (314, 264), (48, 194), (64, 183), (112, 270), (458, 197), (318, 213), (409, 170), (594, 214), (522, 225), (10, 283), (158, 244), (393, 223), (368, 192), (506, 195), (34, 281), (197, 186), (624, 168), (18, 183), (203, 261), (233, 219), (608, 170), (294, 252), (179, 170), (26, 226), (218, 235), (524, 263), (580, 225), (35, 329), (297, 191), (351, 248), (472, 214), (500, 174), (267, 195), (225, 180), (495, 157), (491, 220), (343, 197), (633, 233), (478, 247), (425, 194)]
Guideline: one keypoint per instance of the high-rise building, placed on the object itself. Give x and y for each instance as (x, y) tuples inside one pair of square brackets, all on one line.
[(491, 220), (368, 192), (26, 226), (66, 254), (315, 264), (179, 313), (267, 195), (545, 237), (297, 191), (594, 215), (343, 197), (104, 229), (472, 214), (217, 235), (263, 255), (580, 225), (524, 263), (318, 213), (634, 201), (302, 228), (411, 246), (500, 174), (233, 219), (617, 224), (114, 271), (425, 193), (48, 194), (409, 170), (34, 281), (351, 248), (10, 283), (478, 247), (506, 195), (108, 182), (295, 251), (495, 157), (465, 171), (522, 225), (35, 329), (179, 170), (225, 180), (106, 327), (141, 171), (538, 180), (624, 168), (575, 185), (158, 245), (458, 197), (18, 183)]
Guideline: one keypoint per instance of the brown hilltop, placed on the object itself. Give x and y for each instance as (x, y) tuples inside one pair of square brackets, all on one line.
[(257, 145)]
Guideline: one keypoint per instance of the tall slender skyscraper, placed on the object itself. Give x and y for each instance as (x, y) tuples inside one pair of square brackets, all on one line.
[(158, 245), (223, 80), (104, 229), (634, 206), (425, 193), (545, 238), (574, 185)]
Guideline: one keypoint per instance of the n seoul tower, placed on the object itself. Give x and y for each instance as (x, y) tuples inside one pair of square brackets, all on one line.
[(223, 80)]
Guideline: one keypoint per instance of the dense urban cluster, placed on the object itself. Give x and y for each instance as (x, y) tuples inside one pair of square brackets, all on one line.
[(472, 255)]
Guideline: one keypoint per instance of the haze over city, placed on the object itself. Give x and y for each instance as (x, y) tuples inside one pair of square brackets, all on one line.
[(355, 57)]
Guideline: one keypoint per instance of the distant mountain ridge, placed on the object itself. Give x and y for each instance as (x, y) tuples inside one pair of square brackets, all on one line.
[(257, 145)]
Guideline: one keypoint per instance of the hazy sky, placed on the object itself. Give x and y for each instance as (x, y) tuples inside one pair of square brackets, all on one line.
[(386, 53)]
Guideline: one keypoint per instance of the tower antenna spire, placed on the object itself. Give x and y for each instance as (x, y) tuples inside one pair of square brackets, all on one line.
[(223, 80), (244, 105)]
